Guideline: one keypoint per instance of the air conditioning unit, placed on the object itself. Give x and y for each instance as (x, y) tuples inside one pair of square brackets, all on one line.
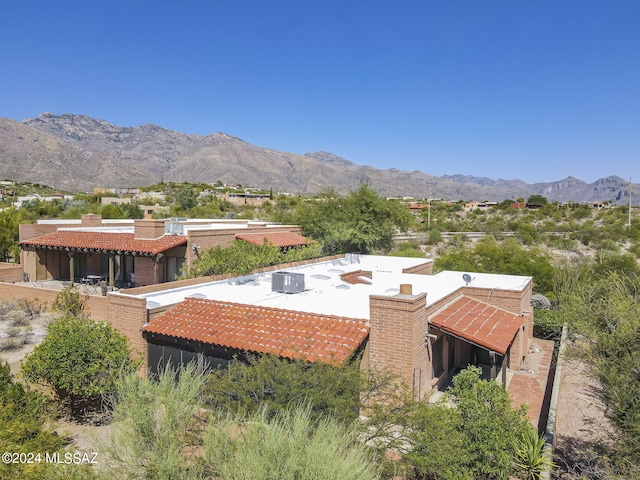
[(174, 228), (287, 282)]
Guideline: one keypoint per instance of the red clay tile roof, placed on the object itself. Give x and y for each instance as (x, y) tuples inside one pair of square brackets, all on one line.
[(479, 323), (279, 239), (286, 333), (106, 241)]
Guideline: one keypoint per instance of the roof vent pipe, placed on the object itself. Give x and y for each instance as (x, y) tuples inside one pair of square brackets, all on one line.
[(406, 289)]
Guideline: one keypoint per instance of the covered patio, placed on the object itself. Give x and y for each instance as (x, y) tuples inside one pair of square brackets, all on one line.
[(91, 257), (470, 332)]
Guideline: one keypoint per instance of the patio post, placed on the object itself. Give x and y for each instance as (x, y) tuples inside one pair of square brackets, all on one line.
[(492, 358), (111, 269), (504, 371), (156, 260), (71, 267)]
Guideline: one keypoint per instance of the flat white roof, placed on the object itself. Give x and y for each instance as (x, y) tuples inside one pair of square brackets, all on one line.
[(112, 229), (325, 293), (57, 221)]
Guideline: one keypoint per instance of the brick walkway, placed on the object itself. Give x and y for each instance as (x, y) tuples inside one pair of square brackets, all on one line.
[(530, 386)]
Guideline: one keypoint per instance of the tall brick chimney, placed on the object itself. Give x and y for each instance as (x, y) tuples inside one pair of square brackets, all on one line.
[(398, 326)]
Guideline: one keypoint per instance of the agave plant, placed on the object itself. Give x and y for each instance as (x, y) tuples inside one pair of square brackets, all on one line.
[(531, 457)]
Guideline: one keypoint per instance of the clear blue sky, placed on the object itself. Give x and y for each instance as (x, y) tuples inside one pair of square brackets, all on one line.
[(536, 90)]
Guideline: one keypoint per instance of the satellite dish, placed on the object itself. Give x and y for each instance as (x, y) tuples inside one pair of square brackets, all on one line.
[(467, 278)]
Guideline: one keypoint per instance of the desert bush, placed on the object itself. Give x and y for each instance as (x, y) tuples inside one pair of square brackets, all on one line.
[(18, 318), (9, 343), (30, 307), (69, 302), (23, 426), (15, 337), (163, 433), (272, 384), (158, 427), (548, 323), (290, 446)]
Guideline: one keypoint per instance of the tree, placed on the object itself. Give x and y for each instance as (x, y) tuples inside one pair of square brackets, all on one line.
[(507, 257), (477, 438), (9, 221), (130, 210), (112, 211), (269, 385), (241, 258), (360, 222), (537, 200), (81, 359), (186, 197)]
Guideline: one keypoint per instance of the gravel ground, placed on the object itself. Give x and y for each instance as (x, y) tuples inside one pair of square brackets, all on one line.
[(582, 430)]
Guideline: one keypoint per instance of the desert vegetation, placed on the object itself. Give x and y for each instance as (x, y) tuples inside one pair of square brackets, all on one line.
[(584, 261)]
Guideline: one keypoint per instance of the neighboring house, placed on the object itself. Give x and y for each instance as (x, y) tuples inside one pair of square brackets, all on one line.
[(117, 191), (479, 205), (150, 210), (417, 208), (129, 252), (20, 201), (400, 316), (116, 201), (255, 199), (153, 196)]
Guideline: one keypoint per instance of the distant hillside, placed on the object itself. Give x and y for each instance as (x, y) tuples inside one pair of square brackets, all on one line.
[(77, 153)]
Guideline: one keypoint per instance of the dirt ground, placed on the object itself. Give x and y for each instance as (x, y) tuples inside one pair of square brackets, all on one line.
[(30, 335), (582, 430)]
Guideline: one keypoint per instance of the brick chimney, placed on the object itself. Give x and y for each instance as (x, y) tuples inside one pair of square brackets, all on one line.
[(91, 220), (398, 325), (148, 229)]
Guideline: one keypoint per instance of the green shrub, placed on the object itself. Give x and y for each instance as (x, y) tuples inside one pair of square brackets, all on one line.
[(69, 302), (23, 426), (548, 323), (81, 359), (532, 459), (289, 446)]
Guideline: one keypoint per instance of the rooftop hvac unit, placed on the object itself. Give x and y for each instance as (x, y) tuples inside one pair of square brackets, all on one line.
[(287, 282), (174, 228)]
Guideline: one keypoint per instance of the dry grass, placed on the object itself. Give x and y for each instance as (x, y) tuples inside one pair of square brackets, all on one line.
[(22, 324)]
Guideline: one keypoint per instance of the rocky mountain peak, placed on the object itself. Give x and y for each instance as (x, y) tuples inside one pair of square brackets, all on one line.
[(77, 153)]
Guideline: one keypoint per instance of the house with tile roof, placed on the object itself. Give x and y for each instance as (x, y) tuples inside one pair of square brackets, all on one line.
[(391, 312), (134, 252)]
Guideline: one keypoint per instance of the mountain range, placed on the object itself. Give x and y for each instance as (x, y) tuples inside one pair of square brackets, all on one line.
[(77, 152)]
